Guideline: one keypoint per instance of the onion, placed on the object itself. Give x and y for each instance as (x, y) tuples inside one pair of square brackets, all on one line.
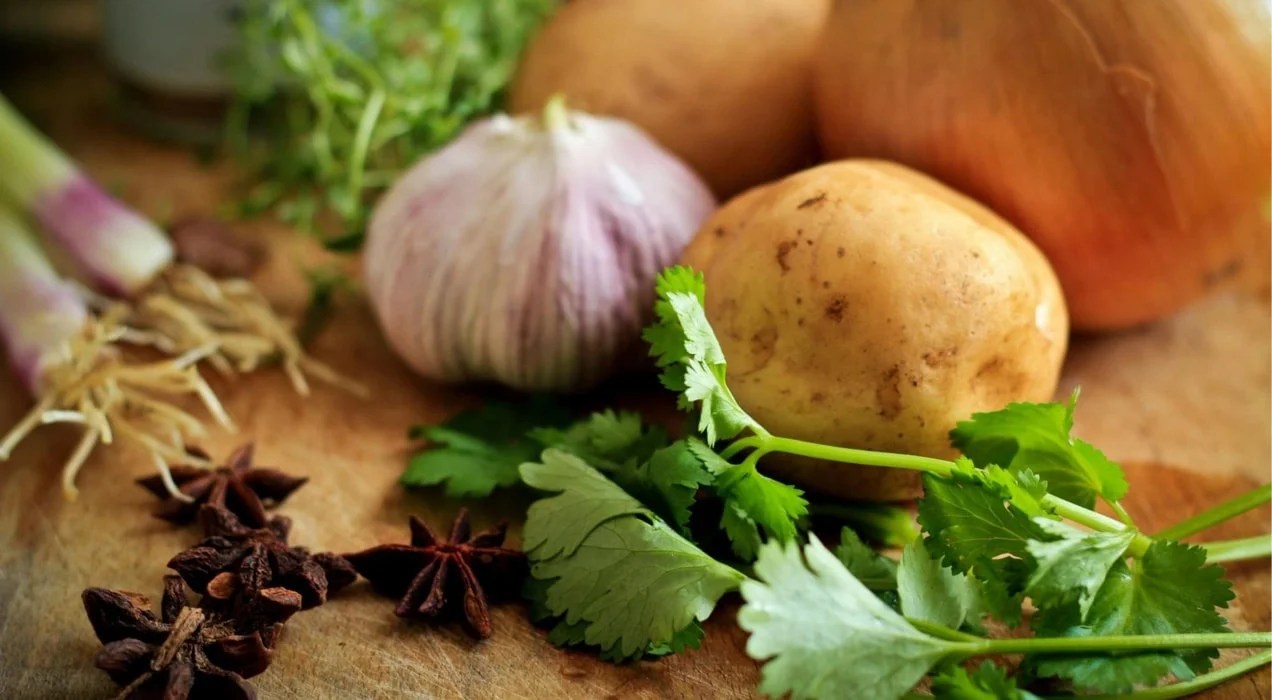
[(1129, 139)]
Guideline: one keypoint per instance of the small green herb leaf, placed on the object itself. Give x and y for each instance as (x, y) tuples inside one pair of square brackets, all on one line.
[(753, 502), (615, 568), (972, 522), (933, 593), (825, 635), (1036, 436), (1171, 590), (1073, 567), (988, 682), (685, 347), (872, 569), (480, 450)]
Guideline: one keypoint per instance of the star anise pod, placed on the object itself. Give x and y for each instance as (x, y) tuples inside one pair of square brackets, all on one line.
[(184, 652), (237, 562), (431, 576), (238, 486)]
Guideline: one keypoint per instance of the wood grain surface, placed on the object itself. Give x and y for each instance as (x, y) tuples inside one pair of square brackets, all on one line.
[(1185, 402)]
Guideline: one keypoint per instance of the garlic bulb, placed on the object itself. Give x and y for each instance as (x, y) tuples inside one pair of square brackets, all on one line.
[(524, 252)]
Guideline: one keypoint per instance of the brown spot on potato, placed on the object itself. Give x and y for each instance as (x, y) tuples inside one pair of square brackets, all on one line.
[(818, 397), (835, 309), (825, 285), (888, 393), (812, 201), (840, 252), (719, 232), (1002, 376), (940, 358), (1223, 272), (783, 249)]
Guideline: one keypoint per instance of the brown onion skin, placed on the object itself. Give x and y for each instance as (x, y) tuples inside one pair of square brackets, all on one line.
[(723, 84), (1129, 139)]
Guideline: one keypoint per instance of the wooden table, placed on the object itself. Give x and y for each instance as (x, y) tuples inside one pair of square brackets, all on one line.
[(1186, 402)]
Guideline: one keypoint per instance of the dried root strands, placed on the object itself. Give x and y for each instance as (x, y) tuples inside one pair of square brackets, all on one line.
[(186, 309), (71, 363), (91, 384)]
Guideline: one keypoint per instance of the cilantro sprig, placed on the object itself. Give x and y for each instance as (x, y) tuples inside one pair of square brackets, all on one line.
[(614, 564)]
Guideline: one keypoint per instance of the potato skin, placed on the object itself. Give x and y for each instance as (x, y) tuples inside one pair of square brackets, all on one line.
[(866, 305), (724, 84)]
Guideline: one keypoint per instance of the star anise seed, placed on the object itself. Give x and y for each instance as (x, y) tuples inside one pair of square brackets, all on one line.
[(431, 576), (231, 566), (184, 652), (238, 486)]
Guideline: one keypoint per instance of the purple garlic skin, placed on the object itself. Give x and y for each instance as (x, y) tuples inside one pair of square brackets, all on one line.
[(525, 253)]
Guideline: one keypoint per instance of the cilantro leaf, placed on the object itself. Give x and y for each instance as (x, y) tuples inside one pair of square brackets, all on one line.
[(667, 483), (615, 568), (1074, 566), (972, 520), (565, 634), (988, 682), (693, 365), (477, 451), (753, 502), (882, 523), (663, 477), (606, 439), (872, 569), (824, 634), (1036, 436), (1170, 590), (933, 593)]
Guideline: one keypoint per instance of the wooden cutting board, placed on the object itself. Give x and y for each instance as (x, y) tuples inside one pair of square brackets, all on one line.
[(1185, 402)]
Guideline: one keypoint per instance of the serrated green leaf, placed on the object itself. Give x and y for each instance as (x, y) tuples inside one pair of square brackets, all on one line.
[(1035, 436), (753, 502), (557, 525), (480, 450), (874, 570), (667, 482), (614, 566), (685, 347), (975, 529), (1170, 590), (824, 634), (606, 439), (988, 682), (932, 592), (1074, 566)]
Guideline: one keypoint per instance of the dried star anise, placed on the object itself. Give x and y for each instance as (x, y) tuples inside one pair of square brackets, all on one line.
[(237, 562), (431, 576), (184, 652), (238, 486)]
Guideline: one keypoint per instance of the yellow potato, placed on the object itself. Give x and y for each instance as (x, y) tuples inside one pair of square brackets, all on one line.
[(724, 84), (866, 305)]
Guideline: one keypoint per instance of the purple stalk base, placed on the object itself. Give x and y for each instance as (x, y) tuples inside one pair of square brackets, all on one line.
[(118, 250), (41, 316)]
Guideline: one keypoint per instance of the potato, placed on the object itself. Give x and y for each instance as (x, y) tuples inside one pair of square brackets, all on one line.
[(866, 305), (723, 84)]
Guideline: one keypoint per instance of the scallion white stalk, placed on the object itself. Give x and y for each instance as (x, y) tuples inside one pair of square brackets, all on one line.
[(117, 249), (39, 311)]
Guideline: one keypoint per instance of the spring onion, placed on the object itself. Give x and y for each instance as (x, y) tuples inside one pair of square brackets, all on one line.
[(70, 361), (177, 308)]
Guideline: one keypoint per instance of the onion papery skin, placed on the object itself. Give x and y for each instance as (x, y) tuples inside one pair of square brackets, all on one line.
[(525, 254), (1129, 139)]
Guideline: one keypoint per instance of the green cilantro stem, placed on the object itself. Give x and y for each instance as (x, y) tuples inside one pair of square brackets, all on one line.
[(1257, 547), (971, 645), (869, 458), (1128, 642), (1224, 511), (1196, 685), (929, 465)]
